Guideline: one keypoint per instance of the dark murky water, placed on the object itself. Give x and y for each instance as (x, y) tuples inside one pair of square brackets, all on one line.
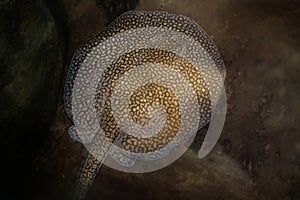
[(257, 156)]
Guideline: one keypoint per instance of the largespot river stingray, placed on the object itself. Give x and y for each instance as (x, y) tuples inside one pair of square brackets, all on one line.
[(138, 92)]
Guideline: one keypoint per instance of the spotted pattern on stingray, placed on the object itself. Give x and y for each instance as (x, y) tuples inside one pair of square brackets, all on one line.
[(140, 19), (144, 98), (147, 96)]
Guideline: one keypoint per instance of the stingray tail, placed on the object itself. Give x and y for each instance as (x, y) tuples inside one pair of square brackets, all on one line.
[(91, 165), (85, 178)]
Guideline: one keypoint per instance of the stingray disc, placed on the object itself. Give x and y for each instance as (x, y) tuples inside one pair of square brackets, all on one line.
[(142, 88)]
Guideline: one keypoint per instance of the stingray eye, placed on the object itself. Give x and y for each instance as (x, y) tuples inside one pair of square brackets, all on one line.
[(141, 90)]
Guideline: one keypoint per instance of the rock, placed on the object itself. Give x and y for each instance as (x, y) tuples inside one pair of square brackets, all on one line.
[(31, 69), (114, 8)]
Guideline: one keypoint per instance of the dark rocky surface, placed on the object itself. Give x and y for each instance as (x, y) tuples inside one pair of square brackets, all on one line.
[(257, 156), (31, 72)]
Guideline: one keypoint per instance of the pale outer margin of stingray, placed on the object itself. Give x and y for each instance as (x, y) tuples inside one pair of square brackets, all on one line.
[(152, 32)]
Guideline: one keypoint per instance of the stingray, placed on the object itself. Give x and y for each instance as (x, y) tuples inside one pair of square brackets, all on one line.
[(138, 92)]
